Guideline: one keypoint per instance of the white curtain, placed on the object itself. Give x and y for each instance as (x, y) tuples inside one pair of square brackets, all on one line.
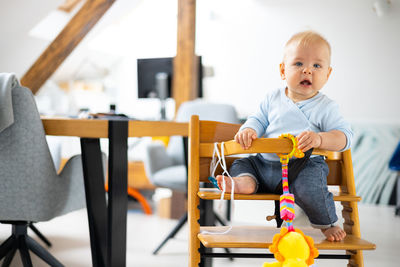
[(373, 146)]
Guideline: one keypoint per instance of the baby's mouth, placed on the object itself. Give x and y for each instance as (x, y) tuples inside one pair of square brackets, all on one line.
[(305, 82)]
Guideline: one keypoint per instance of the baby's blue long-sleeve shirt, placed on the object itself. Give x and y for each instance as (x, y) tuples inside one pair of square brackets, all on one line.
[(279, 114)]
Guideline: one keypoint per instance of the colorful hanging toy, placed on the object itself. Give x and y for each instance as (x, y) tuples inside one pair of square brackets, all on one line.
[(291, 247)]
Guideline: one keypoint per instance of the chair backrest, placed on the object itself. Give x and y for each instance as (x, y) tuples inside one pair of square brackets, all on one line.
[(205, 111), (26, 164)]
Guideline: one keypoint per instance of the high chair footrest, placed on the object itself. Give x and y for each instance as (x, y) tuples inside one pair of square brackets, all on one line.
[(268, 255), (214, 193), (261, 237)]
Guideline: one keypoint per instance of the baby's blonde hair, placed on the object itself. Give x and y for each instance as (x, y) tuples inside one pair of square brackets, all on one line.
[(305, 38)]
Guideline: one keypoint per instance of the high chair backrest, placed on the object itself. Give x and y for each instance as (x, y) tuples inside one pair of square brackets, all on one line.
[(225, 132)]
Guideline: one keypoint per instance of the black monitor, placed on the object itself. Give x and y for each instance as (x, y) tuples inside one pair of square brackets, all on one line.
[(150, 68)]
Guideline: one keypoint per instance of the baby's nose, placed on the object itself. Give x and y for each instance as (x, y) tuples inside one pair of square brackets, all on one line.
[(307, 70)]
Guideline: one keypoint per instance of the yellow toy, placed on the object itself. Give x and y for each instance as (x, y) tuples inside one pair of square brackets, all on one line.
[(292, 249)]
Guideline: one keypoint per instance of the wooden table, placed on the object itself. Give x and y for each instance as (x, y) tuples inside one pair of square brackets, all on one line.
[(107, 219)]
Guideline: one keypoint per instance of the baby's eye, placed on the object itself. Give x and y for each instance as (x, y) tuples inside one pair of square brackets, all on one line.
[(317, 66), (298, 64)]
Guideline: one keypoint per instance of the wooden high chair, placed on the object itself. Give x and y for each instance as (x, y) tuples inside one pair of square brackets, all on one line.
[(202, 135)]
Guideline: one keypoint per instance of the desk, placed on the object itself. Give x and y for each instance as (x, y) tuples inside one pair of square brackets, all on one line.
[(107, 219)]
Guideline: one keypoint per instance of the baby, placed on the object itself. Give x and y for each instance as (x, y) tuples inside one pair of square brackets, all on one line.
[(301, 110)]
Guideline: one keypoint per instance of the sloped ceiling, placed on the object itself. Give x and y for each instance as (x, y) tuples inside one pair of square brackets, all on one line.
[(17, 49)]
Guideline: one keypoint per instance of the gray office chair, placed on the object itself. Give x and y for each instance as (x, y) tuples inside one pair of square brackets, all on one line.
[(167, 167), (30, 189)]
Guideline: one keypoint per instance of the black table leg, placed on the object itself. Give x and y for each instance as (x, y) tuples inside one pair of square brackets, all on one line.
[(207, 218), (397, 210), (117, 193), (95, 199), (228, 210)]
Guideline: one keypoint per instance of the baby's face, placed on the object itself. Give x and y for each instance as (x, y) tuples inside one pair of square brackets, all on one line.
[(306, 69)]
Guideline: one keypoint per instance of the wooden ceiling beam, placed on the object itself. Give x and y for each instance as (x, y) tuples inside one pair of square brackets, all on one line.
[(68, 5), (64, 43), (184, 84)]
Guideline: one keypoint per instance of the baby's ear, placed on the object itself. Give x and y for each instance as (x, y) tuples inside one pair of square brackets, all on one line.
[(282, 70)]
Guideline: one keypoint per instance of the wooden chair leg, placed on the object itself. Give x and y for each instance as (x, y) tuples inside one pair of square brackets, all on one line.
[(194, 229), (351, 225), (350, 209), (194, 245), (356, 259), (194, 254), (193, 199)]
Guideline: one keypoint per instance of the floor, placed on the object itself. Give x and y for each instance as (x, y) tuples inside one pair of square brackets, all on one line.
[(70, 237)]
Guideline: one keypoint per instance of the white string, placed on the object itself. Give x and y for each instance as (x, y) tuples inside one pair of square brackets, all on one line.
[(214, 163), (222, 162), (224, 167)]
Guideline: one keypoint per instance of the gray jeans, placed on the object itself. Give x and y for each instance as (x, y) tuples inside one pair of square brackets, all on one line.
[(309, 188)]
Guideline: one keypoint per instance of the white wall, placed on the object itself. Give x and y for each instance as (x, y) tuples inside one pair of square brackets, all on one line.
[(18, 51), (243, 40)]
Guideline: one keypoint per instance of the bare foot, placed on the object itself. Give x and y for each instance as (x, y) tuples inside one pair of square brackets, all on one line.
[(334, 233), (243, 184)]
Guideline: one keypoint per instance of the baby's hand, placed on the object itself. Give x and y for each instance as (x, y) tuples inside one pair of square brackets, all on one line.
[(245, 137), (308, 140)]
